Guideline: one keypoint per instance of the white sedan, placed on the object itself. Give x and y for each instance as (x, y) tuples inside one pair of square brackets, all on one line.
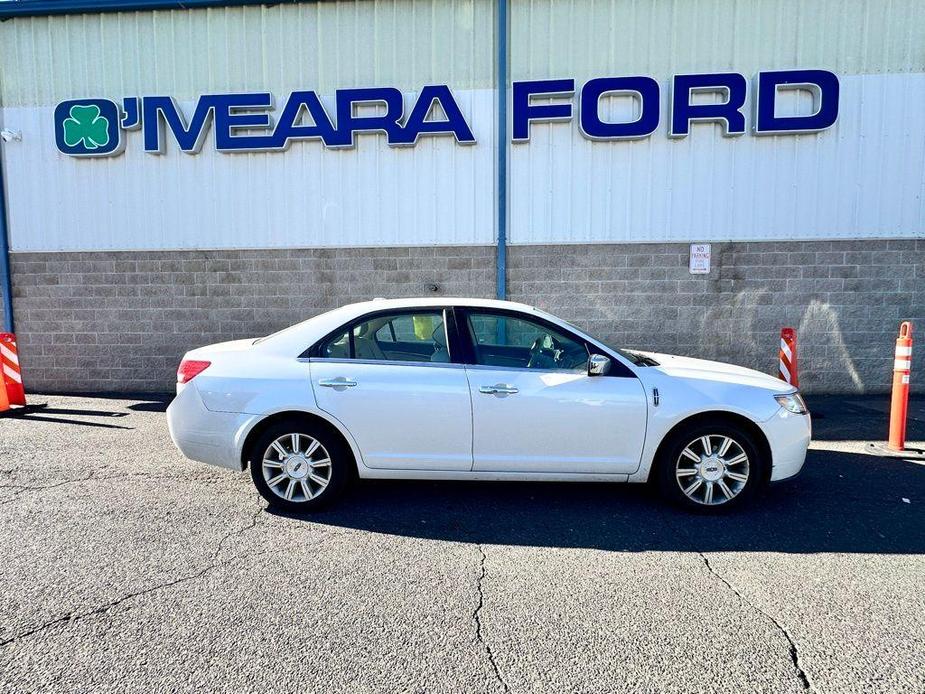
[(473, 389)]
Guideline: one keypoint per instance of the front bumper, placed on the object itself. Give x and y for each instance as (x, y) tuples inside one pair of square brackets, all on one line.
[(788, 435), (206, 436)]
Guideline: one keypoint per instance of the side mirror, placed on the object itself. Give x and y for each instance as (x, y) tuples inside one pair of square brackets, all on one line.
[(598, 365)]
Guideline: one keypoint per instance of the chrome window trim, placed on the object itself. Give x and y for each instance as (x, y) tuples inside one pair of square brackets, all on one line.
[(483, 367), (384, 362)]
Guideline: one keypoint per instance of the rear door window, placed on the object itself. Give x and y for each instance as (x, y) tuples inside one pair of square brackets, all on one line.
[(414, 337)]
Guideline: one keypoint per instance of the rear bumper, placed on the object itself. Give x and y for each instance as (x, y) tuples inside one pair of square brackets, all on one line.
[(205, 436), (789, 436)]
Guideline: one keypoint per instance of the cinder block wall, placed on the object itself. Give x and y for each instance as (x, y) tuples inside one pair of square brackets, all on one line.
[(121, 321)]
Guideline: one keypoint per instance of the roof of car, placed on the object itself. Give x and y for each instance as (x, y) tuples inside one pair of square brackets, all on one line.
[(297, 337), (412, 302)]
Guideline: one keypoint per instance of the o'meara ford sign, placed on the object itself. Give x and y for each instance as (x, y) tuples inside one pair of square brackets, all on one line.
[(251, 122)]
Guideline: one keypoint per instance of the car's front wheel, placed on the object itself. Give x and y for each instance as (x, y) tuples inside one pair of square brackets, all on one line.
[(710, 467), (297, 466)]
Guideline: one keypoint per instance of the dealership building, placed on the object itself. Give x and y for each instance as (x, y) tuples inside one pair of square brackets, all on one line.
[(675, 175)]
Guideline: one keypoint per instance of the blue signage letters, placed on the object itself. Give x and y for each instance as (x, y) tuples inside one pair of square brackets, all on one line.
[(245, 122), (645, 93), (822, 84), (289, 127), (419, 121), (525, 111), (237, 117), (730, 85), (728, 89)]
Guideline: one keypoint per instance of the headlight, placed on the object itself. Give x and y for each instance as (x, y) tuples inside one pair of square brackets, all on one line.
[(792, 402)]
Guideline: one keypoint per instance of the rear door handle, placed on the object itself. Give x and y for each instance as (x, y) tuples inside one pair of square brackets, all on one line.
[(339, 382), (498, 389)]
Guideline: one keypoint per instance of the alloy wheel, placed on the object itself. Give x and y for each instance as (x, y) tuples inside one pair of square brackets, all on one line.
[(712, 470), (296, 467)]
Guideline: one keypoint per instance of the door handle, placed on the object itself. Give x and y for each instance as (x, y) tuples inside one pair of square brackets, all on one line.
[(339, 382), (498, 389)]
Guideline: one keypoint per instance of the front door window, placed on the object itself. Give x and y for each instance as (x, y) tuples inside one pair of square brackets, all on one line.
[(506, 341)]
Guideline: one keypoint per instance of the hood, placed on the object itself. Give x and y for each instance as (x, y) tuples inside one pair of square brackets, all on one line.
[(704, 370)]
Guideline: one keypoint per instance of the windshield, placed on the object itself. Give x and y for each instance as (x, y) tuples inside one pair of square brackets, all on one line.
[(634, 358)]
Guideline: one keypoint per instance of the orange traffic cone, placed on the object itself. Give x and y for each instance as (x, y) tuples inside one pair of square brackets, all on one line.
[(4, 399), (12, 392), (12, 372), (787, 357)]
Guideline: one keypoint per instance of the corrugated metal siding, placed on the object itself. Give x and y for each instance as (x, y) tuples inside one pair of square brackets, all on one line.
[(593, 38), (435, 192), (322, 46), (862, 178)]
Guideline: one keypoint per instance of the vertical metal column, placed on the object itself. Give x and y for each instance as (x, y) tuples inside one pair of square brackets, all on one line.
[(502, 58), (6, 284)]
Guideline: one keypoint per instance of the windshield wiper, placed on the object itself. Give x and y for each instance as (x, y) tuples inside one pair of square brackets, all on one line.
[(641, 359)]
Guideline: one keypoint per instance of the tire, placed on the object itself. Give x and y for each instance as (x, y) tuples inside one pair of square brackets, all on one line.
[(312, 478), (705, 486)]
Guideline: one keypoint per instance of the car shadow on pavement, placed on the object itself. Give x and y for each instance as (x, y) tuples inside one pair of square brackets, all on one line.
[(842, 502), (82, 413), (32, 417)]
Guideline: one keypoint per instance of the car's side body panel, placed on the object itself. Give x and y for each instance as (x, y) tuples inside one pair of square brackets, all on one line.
[(556, 422), (404, 416), (789, 436), (475, 476), (204, 435), (680, 399)]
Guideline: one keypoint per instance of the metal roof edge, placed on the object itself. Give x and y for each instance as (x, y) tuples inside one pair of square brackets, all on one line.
[(43, 8)]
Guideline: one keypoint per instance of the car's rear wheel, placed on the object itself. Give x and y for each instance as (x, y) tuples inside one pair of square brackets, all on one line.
[(710, 467), (299, 467)]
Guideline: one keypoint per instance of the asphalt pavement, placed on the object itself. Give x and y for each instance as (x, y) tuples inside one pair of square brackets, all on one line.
[(126, 568)]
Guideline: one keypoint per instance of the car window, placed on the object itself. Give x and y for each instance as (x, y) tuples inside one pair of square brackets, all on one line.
[(417, 337), (337, 347), (506, 341)]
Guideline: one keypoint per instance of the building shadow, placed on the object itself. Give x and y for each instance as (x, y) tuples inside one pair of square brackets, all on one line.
[(861, 418), (842, 502)]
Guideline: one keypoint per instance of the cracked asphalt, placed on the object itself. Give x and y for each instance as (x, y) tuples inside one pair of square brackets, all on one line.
[(126, 568)]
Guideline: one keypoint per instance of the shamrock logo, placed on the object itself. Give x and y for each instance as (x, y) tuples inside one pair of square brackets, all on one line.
[(86, 125)]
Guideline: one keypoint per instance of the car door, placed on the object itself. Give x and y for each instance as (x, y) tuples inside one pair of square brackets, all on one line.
[(388, 377), (536, 409)]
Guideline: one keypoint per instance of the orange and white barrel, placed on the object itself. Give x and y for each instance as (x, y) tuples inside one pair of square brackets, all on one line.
[(787, 357), (12, 373), (899, 406)]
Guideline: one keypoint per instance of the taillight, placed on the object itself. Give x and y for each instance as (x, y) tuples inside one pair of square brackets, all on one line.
[(189, 369)]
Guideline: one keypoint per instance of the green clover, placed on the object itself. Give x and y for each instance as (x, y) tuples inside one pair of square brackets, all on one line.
[(86, 125)]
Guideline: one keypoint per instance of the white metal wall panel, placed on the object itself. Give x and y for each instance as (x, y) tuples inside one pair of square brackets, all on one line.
[(184, 53), (865, 177), (862, 178), (435, 192), (597, 38)]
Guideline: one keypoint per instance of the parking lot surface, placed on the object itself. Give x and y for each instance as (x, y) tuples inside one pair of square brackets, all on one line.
[(125, 567)]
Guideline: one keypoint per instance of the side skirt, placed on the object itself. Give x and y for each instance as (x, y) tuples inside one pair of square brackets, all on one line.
[(378, 473)]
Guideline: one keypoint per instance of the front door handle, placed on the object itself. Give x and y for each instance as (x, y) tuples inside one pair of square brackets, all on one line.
[(339, 382), (498, 389)]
